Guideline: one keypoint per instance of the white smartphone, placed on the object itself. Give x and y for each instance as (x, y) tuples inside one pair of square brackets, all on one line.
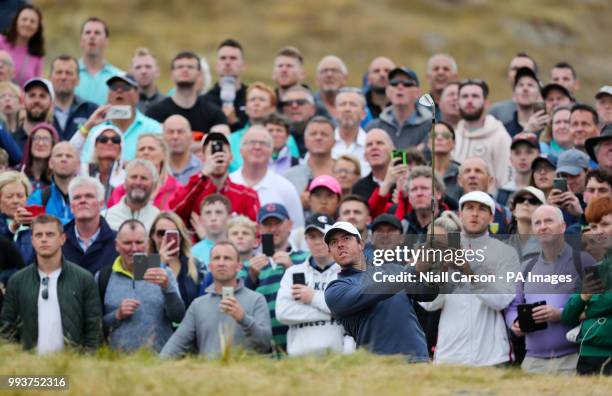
[(122, 112), (226, 292)]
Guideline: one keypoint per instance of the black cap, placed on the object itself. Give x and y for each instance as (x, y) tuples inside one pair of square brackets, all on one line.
[(215, 136), (126, 78), (526, 72), (319, 221), (387, 219), (405, 71), (548, 88), (549, 159), (606, 134)]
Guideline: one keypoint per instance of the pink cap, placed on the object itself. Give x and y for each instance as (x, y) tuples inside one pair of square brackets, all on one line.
[(326, 181)]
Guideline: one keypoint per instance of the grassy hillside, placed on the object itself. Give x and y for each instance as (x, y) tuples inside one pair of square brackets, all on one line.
[(483, 35), (358, 374)]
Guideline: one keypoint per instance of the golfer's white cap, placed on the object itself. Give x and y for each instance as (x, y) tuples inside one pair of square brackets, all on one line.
[(341, 226)]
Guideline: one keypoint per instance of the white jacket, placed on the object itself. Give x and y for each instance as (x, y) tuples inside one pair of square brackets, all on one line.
[(311, 328), (472, 329)]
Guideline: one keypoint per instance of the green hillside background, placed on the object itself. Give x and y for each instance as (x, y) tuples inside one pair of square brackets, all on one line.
[(482, 35)]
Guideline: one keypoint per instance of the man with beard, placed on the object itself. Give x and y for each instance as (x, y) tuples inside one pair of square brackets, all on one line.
[(140, 182), (481, 135), (297, 103), (70, 110), (64, 165), (449, 104), (288, 70), (201, 114), (441, 69), (350, 138), (378, 79), (38, 101), (526, 95), (331, 77)]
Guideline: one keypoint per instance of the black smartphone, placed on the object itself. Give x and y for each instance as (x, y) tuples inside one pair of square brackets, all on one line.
[(299, 278), (267, 244), (454, 240), (525, 317), (140, 265), (539, 106), (216, 146), (398, 156), (592, 273), (560, 183)]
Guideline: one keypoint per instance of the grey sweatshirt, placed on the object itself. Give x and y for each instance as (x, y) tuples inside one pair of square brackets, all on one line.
[(204, 322)]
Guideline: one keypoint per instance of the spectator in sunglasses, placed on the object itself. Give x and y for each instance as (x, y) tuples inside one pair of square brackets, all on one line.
[(106, 164), (523, 204), (406, 123), (298, 104)]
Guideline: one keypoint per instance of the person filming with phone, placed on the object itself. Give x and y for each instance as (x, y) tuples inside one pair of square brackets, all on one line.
[(570, 184), (228, 315)]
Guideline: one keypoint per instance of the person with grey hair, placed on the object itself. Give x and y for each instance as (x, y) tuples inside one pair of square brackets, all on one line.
[(140, 182), (350, 106), (331, 76), (297, 103), (90, 242), (441, 69), (548, 350)]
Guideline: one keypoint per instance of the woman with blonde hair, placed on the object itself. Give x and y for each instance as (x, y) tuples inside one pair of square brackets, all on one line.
[(14, 217), (11, 108), (152, 147), (178, 258)]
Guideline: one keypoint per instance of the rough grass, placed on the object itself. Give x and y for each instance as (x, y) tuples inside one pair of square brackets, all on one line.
[(483, 35), (108, 373)]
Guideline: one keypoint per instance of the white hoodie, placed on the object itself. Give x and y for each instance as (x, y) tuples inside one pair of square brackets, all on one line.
[(311, 327)]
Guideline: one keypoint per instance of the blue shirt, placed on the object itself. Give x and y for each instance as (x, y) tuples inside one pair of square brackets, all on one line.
[(193, 166), (142, 124), (201, 251), (94, 88)]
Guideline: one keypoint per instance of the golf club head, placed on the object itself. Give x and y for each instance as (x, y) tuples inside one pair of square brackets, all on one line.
[(426, 100)]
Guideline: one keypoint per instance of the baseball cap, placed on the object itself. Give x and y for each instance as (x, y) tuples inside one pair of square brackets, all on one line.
[(341, 226), (318, 221), (572, 161), (215, 136), (605, 90), (526, 72), (405, 71), (525, 137), (536, 192), (606, 134), (548, 88), (275, 210), (549, 159), (387, 218), (326, 181), (40, 82), (478, 196), (126, 78)]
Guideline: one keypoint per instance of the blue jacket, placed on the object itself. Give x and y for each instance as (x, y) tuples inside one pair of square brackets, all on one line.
[(100, 254), (379, 316), (23, 240), (56, 205), (79, 113), (10, 146)]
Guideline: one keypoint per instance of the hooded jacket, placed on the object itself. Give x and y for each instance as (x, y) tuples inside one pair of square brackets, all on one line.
[(491, 143)]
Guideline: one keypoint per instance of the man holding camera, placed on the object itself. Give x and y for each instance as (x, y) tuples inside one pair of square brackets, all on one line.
[(228, 315)]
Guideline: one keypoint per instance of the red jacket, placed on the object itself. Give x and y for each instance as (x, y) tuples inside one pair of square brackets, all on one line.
[(380, 204), (189, 198)]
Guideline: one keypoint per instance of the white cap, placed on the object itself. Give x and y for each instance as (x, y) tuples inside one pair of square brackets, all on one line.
[(478, 196), (343, 226), (536, 192), (40, 81)]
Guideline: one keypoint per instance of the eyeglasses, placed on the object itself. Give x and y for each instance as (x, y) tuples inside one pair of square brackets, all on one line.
[(105, 139), (532, 200), (297, 102), (45, 291), (403, 83), (252, 142), (120, 87), (42, 139)]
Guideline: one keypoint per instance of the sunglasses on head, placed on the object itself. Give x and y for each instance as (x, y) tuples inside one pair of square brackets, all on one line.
[(403, 83), (105, 139), (291, 102), (531, 200)]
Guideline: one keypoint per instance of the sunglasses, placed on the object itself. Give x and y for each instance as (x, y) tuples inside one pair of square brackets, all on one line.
[(45, 290), (161, 233), (105, 139), (531, 200), (403, 83), (121, 87), (291, 102)]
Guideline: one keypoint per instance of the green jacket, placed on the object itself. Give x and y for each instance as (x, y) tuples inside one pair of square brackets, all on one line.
[(595, 335), (79, 302)]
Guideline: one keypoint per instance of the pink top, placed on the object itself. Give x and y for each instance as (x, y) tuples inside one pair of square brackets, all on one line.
[(162, 199), (26, 66)]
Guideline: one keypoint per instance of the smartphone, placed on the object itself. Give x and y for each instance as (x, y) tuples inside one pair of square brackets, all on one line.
[(216, 146), (454, 240), (299, 278), (592, 273), (140, 265), (398, 156), (538, 106), (525, 317), (172, 236), (35, 210), (560, 183), (227, 291), (267, 244), (119, 112)]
